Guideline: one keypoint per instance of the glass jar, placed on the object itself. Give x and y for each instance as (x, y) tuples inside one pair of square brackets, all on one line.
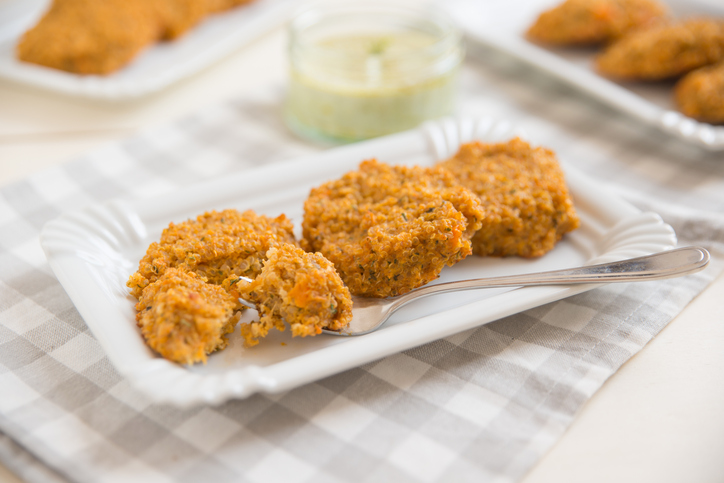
[(361, 70)]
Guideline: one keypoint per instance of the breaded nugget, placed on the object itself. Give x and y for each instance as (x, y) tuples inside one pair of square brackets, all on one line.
[(90, 36), (299, 288), (588, 22), (524, 194), (700, 94), (216, 246), (183, 318), (664, 51), (390, 229), (101, 36)]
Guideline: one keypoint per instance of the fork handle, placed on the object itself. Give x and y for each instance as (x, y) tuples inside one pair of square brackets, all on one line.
[(668, 264)]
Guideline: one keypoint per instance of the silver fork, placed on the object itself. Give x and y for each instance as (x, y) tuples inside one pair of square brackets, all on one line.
[(368, 314)]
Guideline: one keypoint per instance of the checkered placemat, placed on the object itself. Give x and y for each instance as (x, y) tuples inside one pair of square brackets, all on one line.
[(483, 405)]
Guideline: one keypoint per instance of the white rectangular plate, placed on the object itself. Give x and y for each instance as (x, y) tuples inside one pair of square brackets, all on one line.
[(157, 67), (94, 251), (502, 25)]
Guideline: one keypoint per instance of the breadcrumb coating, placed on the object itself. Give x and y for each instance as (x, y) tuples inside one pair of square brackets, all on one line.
[(183, 318), (216, 246), (179, 16), (213, 6), (389, 229), (176, 17), (590, 22), (101, 36), (664, 51), (523, 190), (700, 94), (299, 288)]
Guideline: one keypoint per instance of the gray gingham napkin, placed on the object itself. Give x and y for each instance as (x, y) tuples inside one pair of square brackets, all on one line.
[(483, 405)]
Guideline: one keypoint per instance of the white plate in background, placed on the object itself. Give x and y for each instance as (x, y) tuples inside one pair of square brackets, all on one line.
[(95, 250), (157, 67), (502, 25)]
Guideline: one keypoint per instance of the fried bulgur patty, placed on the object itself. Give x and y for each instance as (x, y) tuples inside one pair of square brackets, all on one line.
[(664, 51), (700, 94), (216, 246), (90, 36), (299, 288), (101, 36), (389, 229), (524, 194), (589, 22), (184, 318)]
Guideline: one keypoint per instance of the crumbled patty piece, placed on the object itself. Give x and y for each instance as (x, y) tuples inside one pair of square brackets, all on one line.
[(528, 208), (299, 288), (101, 36), (183, 318), (588, 22), (389, 229), (216, 246), (664, 51), (700, 94)]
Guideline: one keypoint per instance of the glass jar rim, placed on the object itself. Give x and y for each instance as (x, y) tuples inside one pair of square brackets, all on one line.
[(314, 13)]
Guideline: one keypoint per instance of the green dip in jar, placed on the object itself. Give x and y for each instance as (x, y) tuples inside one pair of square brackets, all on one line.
[(365, 70)]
